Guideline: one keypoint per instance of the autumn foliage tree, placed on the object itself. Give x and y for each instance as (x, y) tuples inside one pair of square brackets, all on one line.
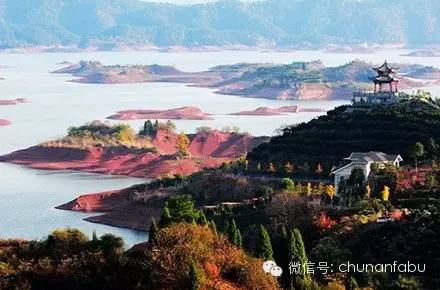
[(385, 193), (182, 144), (288, 167), (183, 252)]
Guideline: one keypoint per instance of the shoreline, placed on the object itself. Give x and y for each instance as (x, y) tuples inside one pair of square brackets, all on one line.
[(120, 47)]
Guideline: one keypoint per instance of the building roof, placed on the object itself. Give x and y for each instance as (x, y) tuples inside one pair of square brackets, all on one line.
[(373, 156), (385, 68), (384, 79), (361, 159), (346, 169)]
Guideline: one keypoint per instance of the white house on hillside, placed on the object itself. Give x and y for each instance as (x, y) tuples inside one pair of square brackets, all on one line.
[(364, 160)]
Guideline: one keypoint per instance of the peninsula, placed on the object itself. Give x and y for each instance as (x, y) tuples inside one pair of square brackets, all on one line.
[(12, 102), (182, 113), (4, 122), (297, 80), (157, 150), (266, 111)]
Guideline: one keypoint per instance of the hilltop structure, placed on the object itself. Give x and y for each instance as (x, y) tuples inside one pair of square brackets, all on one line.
[(364, 160), (385, 88)]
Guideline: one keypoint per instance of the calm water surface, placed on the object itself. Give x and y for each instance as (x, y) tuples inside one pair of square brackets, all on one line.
[(28, 197)]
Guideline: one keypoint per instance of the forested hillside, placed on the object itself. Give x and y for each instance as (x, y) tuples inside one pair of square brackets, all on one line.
[(273, 22), (330, 138)]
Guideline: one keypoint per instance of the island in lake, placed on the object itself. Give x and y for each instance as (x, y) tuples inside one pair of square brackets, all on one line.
[(12, 102), (157, 150), (266, 111), (297, 80), (182, 113), (4, 122)]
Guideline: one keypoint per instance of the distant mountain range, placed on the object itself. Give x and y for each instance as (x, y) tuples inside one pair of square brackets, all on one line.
[(86, 23)]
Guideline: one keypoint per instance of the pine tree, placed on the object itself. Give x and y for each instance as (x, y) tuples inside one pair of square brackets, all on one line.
[(213, 227), (94, 236), (264, 246), (148, 129), (297, 254), (195, 277), (165, 218), (283, 258), (352, 284), (234, 234), (202, 219), (153, 231), (239, 238)]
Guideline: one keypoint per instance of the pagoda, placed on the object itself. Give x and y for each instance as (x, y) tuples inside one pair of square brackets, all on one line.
[(386, 75), (385, 88)]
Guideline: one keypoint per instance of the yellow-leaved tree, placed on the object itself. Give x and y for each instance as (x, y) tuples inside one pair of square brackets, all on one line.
[(330, 190), (385, 193), (182, 144)]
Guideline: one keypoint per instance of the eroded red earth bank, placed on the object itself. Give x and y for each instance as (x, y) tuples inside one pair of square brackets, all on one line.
[(207, 150)]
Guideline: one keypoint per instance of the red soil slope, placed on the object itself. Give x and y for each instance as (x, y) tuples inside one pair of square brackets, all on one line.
[(183, 113), (118, 208), (207, 150), (4, 122)]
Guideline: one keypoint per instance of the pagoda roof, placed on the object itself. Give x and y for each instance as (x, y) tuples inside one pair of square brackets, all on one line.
[(385, 79), (385, 67)]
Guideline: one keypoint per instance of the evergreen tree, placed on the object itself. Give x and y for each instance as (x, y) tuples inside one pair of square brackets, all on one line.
[(202, 219), (433, 148), (352, 284), (416, 151), (181, 208), (226, 228), (263, 247), (165, 218), (148, 129), (213, 227), (300, 251), (195, 277), (283, 259), (297, 254), (153, 231), (239, 238), (234, 234), (94, 236)]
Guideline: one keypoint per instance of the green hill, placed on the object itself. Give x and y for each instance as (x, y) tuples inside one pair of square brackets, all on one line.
[(330, 138), (225, 22)]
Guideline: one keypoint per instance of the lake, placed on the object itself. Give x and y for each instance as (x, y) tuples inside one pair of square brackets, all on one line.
[(28, 197)]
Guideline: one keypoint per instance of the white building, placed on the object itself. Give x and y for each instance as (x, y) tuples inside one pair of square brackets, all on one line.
[(363, 160)]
